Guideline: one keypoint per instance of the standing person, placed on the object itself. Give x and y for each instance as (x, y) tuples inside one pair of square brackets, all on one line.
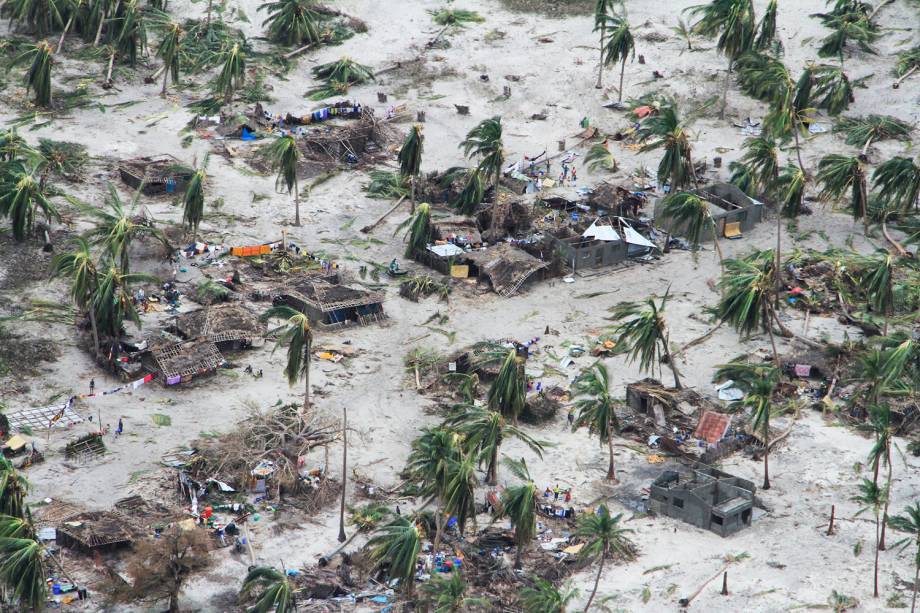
[(571, 417), (92, 386), (121, 427), (556, 493), (574, 176), (568, 495)]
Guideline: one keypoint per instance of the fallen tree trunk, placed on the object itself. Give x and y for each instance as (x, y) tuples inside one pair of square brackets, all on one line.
[(369, 228)]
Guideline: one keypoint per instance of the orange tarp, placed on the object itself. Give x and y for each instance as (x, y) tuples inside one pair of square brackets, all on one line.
[(250, 250)]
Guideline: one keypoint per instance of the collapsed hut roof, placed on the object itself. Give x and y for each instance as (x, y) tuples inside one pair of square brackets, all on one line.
[(685, 400), (187, 360), (92, 530), (227, 322), (156, 172), (506, 266), (326, 297)]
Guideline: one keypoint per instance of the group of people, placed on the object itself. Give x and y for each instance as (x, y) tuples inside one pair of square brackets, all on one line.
[(556, 492)]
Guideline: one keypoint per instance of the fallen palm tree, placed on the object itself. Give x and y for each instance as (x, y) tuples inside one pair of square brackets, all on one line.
[(338, 77)]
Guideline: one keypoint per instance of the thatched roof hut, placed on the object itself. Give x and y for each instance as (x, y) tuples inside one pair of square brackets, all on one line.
[(93, 531), (332, 305), (182, 362), (159, 174), (506, 267), (221, 324)]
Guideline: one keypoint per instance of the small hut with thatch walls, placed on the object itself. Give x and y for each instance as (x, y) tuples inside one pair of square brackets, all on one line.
[(159, 174), (331, 305), (229, 326)]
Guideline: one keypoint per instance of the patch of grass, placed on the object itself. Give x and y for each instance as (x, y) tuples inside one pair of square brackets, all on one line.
[(161, 420), (551, 8)]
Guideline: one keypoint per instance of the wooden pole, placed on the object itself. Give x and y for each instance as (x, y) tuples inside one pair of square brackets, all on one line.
[(252, 556), (830, 526), (725, 584), (342, 536)]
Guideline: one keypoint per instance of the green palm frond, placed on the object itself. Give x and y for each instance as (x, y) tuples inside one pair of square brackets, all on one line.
[(292, 22), (847, 29), (419, 233), (276, 592), (620, 44), (13, 147), (13, 490), (791, 185), (21, 196), (742, 178), (485, 143), (898, 182), (338, 77), (907, 60), (410, 154), (460, 499), (193, 202), (232, 73), (860, 131), (596, 408), (472, 194), (283, 155), (430, 458), (840, 174), (691, 214), (38, 77), (455, 17), (766, 29), (832, 89), (731, 22), (643, 331), (508, 391), (761, 156), (22, 568), (763, 77), (546, 598), (600, 158), (666, 131), (519, 505), (603, 535), (369, 516), (297, 334), (171, 51), (746, 287), (386, 185), (397, 544), (80, 268)]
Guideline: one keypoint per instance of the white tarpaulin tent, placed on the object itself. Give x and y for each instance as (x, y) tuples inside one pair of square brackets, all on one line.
[(601, 233)]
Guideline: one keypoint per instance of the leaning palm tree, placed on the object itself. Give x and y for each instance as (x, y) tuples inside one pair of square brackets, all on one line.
[(22, 564), (483, 432), (908, 63), (766, 29), (283, 155), (758, 383), (898, 182), (747, 287), (519, 505), (21, 195), (544, 597), (449, 595), (410, 158), (276, 592), (113, 301), (910, 523), (602, 11), (13, 146), (460, 499), (79, 267), (472, 194), (419, 233), (761, 155), (170, 51), (840, 174), (619, 47), (232, 73), (873, 498), (292, 22), (603, 538), (643, 330), (880, 452), (397, 544), (130, 36), (846, 28), (117, 227), (734, 23), (298, 335), (878, 283), (692, 215), (597, 409), (791, 184), (863, 131), (508, 392), (832, 89), (193, 202), (38, 77), (485, 143), (666, 131), (433, 455), (13, 489)]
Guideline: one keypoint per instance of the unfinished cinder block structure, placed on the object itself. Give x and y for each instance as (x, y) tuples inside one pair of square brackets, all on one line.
[(707, 498)]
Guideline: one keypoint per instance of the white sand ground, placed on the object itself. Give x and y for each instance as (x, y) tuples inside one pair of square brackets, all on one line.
[(792, 562)]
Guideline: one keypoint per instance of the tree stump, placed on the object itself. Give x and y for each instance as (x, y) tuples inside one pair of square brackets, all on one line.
[(381, 97), (420, 116)]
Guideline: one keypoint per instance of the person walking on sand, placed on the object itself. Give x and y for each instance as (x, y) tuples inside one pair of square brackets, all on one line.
[(120, 428), (92, 386), (571, 417)]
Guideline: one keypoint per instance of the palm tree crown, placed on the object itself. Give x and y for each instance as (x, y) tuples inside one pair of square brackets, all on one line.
[(297, 333)]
